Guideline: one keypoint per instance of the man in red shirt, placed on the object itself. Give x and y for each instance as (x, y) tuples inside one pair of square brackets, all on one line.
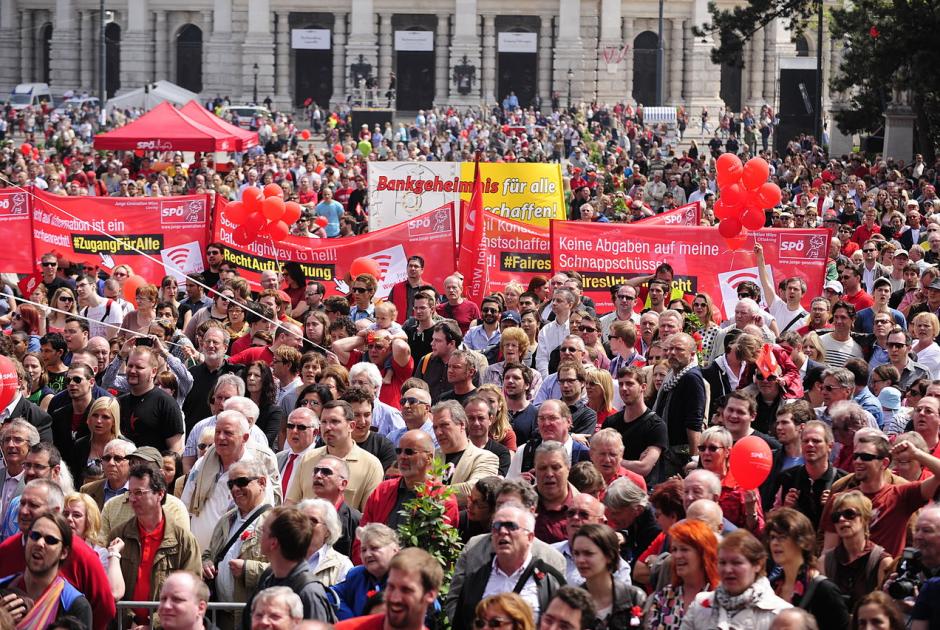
[(892, 505), (414, 579), (287, 335), (852, 284), (391, 354), (82, 568), (457, 307)]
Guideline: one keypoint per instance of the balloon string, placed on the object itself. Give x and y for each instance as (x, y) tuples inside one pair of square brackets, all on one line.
[(130, 246)]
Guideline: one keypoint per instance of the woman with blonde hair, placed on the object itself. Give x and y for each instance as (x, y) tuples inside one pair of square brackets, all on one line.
[(84, 519), (62, 300), (506, 611), (600, 394), (513, 345), (924, 328), (104, 425), (813, 347), (703, 307), (511, 293), (501, 429)]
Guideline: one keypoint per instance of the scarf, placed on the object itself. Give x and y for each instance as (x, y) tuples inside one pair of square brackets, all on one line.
[(733, 604), (46, 608), (800, 585), (672, 379)]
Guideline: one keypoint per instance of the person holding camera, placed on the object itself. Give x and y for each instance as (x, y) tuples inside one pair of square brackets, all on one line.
[(856, 565), (915, 583)]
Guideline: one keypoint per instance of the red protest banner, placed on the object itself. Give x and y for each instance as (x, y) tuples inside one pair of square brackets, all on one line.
[(16, 227), (513, 251), (606, 254), (172, 231), (471, 256), (429, 235), (690, 214)]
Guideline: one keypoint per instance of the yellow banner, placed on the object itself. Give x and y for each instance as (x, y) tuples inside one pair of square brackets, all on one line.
[(528, 193)]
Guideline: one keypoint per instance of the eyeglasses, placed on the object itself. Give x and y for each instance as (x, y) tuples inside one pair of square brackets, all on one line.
[(621, 296), (894, 345), (136, 494), (13, 439), (409, 452), (116, 458), (582, 514), (489, 311), (847, 514), (65, 298), (324, 471), (760, 377), (741, 296), (711, 448), (699, 304), (76, 379), (866, 457), (870, 250), (567, 349), (49, 264), (359, 290), (48, 538), (832, 388), (494, 622), (509, 526), (241, 482), (410, 401), (34, 466), (17, 316), (298, 427), (587, 329)]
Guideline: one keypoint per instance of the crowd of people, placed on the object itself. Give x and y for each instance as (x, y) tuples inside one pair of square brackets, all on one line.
[(255, 445)]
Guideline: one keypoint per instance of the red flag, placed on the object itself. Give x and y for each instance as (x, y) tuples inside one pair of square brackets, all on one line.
[(28, 284), (471, 260)]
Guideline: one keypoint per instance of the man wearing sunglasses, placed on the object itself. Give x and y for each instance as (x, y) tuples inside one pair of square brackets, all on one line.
[(49, 266), (486, 334), (330, 478), (899, 355), (303, 428), (584, 510), (416, 412), (69, 420), (893, 503), (116, 468)]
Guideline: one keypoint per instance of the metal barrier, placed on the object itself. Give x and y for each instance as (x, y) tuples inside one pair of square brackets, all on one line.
[(212, 611)]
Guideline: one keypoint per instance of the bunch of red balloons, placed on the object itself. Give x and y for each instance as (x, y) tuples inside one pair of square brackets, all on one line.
[(262, 213), (744, 195)]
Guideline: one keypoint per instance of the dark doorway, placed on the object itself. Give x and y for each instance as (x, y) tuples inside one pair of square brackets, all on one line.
[(45, 53), (415, 79), (112, 57), (189, 58), (797, 105), (802, 46), (517, 72), (645, 72), (313, 76), (730, 91)]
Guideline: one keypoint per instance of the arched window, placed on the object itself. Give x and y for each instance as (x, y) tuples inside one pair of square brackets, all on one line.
[(189, 58), (112, 42), (645, 72)]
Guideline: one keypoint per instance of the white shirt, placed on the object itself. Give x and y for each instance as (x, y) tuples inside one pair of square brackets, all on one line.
[(550, 337), (224, 580), (500, 582), (255, 434), (100, 315)]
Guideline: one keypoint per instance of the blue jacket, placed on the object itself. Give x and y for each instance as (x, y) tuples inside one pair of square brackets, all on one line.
[(352, 592)]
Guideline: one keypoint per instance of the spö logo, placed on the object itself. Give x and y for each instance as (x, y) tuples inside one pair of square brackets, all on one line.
[(182, 212)]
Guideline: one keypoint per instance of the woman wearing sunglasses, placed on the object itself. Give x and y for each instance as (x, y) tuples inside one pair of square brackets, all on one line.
[(740, 506), (856, 565), (791, 540), (506, 611), (27, 319), (63, 300), (104, 420)]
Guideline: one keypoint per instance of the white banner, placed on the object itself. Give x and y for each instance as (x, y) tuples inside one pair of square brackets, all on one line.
[(509, 42), (421, 41), (310, 39), (398, 190)]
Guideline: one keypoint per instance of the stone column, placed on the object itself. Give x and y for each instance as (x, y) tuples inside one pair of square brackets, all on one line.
[(569, 50), (628, 34), (609, 74), (137, 53), (27, 44), (86, 48), (489, 60), (386, 51), (10, 50), (258, 49), (338, 40), (770, 65), (63, 63), (219, 51), (545, 61), (465, 42), (161, 42), (441, 65), (362, 41), (899, 133), (705, 76), (756, 73), (283, 97), (676, 49), (826, 66)]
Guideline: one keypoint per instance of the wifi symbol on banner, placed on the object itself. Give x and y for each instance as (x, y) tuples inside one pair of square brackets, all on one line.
[(742, 276), (385, 261), (178, 256)]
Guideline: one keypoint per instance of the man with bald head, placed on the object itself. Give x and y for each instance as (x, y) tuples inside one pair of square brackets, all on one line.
[(416, 412), (707, 511), (415, 453), (585, 509), (681, 403), (101, 349)]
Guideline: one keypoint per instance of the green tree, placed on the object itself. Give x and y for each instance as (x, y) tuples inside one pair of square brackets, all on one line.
[(889, 47)]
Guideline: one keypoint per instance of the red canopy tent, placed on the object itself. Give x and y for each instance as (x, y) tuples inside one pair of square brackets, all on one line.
[(165, 128), (245, 139)]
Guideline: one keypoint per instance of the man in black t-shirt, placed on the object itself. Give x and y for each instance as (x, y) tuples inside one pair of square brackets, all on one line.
[(644, 433), (149, 415), (49, 265)]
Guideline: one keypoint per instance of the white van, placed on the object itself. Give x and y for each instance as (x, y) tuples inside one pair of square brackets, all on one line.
[(30, 95)]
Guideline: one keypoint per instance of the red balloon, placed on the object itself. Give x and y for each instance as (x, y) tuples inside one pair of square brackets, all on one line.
[(734, 195), (769, 194), (729, 228), (750, 462), (753, 219), (255, 222), (756, 172), (722, 211), (9, 383), (252, 198), (340, 158), (130, 288), (243, 236), (365, 265), (273, 190), (26, 148), (305, 134), (730, 164), (272, 208), (736, 243), (292, 212), (321, 221), (236, 212), (277, 230), (337, 148)]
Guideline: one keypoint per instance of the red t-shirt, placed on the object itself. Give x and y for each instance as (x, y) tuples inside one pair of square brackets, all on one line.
[(731, 501), (892, 507), (860, 300), (369, 622), (149, 543), (252, 354), (463, 313)]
